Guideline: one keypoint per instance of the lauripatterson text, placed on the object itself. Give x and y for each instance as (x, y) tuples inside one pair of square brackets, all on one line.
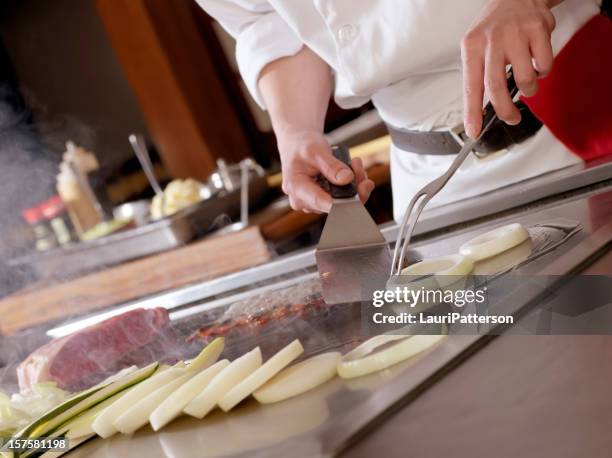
[(449, 318)]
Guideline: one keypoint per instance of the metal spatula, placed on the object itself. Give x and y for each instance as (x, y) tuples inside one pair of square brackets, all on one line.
[(352, 248)]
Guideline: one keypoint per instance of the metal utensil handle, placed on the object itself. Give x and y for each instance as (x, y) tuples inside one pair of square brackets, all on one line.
[(244, 193), (489, 114), (340, 152), (140, 148)]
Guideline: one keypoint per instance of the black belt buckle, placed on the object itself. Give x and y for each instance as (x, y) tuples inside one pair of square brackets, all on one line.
[(501, 135)]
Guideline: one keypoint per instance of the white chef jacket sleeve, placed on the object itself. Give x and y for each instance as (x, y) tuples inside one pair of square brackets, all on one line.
[(262, 36)]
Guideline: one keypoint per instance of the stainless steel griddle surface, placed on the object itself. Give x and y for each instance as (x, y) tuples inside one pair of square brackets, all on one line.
[(327, 420)]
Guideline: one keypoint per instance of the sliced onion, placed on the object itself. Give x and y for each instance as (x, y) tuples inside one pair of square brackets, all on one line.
[(223, 382), (504, 261), (174, 404), (299, 378), (370, 357), (494, 242), (445, 270), (268, 370), (370, 345)]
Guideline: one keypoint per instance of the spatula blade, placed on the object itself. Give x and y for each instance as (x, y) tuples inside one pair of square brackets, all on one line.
[(343, 271), (351, 250)]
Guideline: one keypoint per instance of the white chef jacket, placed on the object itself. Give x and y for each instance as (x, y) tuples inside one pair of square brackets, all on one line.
[(404, 56)]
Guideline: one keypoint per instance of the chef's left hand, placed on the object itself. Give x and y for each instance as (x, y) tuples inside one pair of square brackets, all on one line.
[(515, 32)]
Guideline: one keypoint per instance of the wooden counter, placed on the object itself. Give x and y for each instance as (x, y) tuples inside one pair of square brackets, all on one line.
[(197, 262)]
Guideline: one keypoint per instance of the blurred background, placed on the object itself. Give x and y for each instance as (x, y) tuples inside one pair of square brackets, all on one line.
[(78, 77)]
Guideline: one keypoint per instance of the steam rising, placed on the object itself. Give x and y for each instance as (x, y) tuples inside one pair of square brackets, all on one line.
[(27, 176)]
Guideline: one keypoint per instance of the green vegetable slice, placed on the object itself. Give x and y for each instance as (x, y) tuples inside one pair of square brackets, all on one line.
[(83, 401), (208, 356)]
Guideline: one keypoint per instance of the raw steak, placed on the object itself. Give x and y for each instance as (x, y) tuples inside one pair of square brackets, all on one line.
[(76, 360)]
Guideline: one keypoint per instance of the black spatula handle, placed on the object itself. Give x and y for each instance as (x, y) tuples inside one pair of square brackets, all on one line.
[(341, 153), (489, 111)]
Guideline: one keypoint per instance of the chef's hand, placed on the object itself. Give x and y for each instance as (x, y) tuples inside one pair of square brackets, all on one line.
[(305, 155), (515, 32)]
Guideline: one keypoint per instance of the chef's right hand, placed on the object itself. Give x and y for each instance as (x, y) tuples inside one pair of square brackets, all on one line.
[(304, 156)]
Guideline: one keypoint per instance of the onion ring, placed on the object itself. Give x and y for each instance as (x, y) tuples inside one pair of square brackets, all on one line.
[(368, 358), (445, 270), (494, 242)]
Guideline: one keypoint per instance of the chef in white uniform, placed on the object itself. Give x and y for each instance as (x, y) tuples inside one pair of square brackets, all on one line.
[(425, 64)]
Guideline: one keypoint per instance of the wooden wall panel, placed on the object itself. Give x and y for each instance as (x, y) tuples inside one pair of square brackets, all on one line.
[(182, 97)]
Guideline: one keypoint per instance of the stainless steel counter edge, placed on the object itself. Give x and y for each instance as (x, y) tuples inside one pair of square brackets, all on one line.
[(503, 199)]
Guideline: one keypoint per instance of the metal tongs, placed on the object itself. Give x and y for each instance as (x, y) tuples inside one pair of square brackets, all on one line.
[(425, 194)]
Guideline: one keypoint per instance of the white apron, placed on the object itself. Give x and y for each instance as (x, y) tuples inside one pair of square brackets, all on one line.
[(538, 155)]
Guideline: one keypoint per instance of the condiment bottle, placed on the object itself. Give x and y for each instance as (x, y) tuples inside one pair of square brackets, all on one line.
[(84, 160), (82, 208)]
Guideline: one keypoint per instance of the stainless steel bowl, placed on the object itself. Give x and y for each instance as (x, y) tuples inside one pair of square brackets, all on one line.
[(226, 178), (139, 210)]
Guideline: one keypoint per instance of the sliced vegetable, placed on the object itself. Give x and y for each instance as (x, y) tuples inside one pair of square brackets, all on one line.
[(72, 444), (370, 345), (260, 376), (11, 418), (42, 398), (81, 402), (94, 399), (81, 425), (208, 356), (103, 425), (506, 260), (59, 409), (380, 353), (494, 242), (174, 404), (299, 378), (445, 270), (138, 415), (223, 382)]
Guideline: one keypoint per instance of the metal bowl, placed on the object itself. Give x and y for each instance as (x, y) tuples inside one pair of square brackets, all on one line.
[(138, 210)]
